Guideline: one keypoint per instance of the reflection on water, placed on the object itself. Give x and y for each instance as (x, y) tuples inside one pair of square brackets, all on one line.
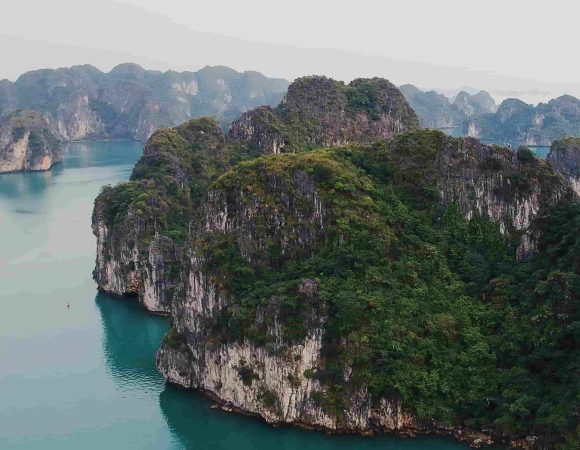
[(130, 339), (197, 426), (24, 184)]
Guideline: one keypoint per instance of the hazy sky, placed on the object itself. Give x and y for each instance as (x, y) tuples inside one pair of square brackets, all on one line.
[(505, 46)]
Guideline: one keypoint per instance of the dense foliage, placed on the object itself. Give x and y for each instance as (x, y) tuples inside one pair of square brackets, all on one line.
[(168, 182), (318, 110), (421, 303)]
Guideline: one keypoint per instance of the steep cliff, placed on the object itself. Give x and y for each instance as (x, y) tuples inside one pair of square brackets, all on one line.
[(516, 122), (27, 142), (360, 288), (565, 157), (506, 186), (321, 112), (299, 277), (140, 225), (130, 102)]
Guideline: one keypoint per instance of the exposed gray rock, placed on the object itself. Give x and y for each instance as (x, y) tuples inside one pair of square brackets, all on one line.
[(27, 142), (321, 112), (82, 102)]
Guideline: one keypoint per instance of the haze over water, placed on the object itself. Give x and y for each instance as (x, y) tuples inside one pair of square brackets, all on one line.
[(84, 377)]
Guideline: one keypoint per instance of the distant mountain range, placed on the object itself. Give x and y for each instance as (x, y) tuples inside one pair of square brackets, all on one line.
[(435, 110), (513, 122), (518, 123), (82, 102)]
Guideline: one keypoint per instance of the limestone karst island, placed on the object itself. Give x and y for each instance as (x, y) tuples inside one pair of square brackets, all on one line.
[(264, 233)]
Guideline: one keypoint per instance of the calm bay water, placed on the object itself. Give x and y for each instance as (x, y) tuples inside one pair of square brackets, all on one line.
[(540, 151), (84, 377)]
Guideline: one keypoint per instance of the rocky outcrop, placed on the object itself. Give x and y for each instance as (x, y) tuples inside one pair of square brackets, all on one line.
[(27, 142), (277, 380), (138, 248), (127, 267), (190, 156), (565, 157), (321, 112), (82, 102), (304, 286), (272, 381), (517, 123), (509, 187)]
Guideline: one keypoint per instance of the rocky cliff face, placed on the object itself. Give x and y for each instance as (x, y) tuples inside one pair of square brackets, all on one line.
[(509, 187), (128, 267), (320, 288), (82, 102), (262, 215), (134, 240), (321, 112), (518, 123), (565, 157), (27, 142), (140, 226)]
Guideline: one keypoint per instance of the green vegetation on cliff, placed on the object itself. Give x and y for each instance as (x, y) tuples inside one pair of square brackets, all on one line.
[(369, 245), (421, 303), (319, 111), (168, 181)]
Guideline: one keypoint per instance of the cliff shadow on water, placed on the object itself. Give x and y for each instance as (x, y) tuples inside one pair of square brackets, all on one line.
[(196, 425), (130, 340)]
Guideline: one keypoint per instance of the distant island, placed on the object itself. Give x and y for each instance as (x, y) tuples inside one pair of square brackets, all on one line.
[(513, 122), (438, 111), (81, 102), (27, 142), (517, 123)]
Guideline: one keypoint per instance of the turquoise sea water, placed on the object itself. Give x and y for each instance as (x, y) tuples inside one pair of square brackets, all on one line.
[(541, 152), (84, 378)]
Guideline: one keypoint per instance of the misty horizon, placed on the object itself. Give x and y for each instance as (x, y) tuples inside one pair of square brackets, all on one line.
[(178, 46)]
